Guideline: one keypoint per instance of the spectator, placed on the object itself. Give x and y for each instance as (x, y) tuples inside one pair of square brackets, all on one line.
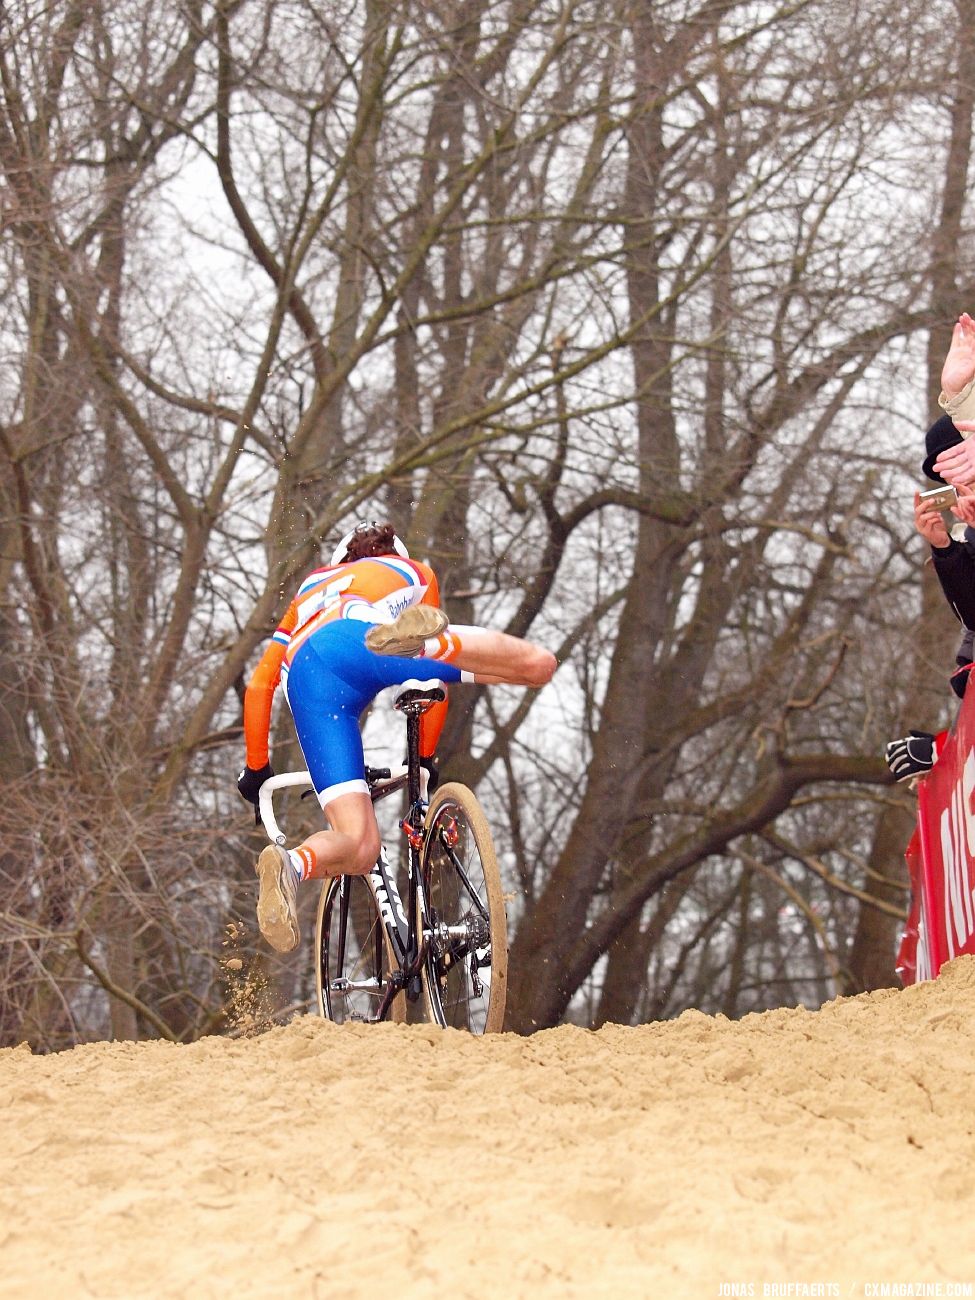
[(949, 458)]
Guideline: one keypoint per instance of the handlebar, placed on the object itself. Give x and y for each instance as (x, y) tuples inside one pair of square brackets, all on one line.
[(265, 806), (381, 781)]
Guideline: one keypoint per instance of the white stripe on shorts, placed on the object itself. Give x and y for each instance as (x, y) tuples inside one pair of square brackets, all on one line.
[(343, 787)]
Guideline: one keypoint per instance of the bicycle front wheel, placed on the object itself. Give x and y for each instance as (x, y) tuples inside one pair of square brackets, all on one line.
[(466, 968), (353, 963)]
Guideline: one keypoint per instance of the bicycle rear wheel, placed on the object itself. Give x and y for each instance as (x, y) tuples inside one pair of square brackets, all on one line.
[(466, 968), (353, 960)]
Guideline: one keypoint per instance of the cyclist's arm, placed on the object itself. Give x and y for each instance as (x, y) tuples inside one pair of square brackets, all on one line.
[(259, 695)]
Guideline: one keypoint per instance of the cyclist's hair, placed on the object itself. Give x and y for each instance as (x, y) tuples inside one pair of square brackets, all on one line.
[(369, 540)]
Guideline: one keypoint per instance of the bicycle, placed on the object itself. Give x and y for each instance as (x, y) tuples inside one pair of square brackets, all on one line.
[(446, 950)]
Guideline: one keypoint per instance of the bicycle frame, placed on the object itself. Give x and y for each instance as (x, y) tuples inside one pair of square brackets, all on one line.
[(408, 940)]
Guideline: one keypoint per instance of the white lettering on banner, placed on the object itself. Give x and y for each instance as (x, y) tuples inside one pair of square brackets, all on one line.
[(967, 790), (922, 957), (957, 852)]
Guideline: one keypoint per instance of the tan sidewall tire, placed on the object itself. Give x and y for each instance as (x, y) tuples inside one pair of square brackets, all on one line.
[(465, 799), (319, 921)]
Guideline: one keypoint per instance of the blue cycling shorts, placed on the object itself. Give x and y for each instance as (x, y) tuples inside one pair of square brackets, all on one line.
[(332, 678)]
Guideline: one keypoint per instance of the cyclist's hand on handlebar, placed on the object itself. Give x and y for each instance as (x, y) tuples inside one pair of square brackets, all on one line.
[(249, 784)]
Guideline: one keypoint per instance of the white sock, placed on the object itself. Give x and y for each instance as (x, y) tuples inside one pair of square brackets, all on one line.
[(303, 861)]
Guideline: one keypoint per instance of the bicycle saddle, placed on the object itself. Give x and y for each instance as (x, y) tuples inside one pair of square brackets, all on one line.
[(417, 696)]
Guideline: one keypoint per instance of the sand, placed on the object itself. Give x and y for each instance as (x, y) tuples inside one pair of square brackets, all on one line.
[(791, 1153)]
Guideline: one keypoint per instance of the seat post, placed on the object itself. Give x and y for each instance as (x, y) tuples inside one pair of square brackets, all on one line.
[(414, 699), (413, 755)]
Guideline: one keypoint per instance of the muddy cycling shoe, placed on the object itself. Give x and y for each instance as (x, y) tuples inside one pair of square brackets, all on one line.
[(277, 902), (407, 632)]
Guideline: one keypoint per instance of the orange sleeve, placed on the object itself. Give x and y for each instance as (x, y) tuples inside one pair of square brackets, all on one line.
[(259, 695), (432, 594), (431, 722)]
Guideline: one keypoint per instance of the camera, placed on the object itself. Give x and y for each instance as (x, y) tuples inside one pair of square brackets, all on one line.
[(942, 497)]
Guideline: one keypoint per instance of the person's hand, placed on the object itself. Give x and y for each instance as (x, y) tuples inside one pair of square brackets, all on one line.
[(959, 679), (957, 464), (964, 509), (249, 784), (959, 366), (929, 522), (914, 755)]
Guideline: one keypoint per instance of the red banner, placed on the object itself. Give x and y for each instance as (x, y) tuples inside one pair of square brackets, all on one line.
[(941, 857)]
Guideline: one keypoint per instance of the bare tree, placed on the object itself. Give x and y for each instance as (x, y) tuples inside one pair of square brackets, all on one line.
[(599, 303)]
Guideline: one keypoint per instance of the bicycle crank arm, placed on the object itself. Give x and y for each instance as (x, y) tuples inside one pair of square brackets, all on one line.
[(347, 986)]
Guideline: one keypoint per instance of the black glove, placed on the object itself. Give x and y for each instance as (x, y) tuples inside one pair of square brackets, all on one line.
[(959, 678), (912, 756), (249, 784), (432, 769)]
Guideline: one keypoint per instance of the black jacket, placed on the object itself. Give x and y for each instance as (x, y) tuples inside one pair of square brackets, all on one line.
[(955, 566)]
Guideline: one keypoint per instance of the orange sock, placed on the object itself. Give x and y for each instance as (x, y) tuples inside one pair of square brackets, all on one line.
[(303, 861), (443, 647)]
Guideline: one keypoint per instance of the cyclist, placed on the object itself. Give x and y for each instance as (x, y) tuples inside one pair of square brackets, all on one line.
[(355, 627)]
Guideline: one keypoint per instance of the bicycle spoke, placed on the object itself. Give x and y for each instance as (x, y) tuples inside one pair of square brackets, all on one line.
[(353, 962)]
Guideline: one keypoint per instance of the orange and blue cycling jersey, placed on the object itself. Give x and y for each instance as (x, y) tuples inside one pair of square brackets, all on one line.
[(318, 653), (373, 591)]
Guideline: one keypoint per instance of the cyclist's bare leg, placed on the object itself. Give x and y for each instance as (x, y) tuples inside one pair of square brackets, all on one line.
[(496, 657), (351, 846)]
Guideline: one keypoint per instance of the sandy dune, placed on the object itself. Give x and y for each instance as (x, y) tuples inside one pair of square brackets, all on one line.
[(826, 1150)]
